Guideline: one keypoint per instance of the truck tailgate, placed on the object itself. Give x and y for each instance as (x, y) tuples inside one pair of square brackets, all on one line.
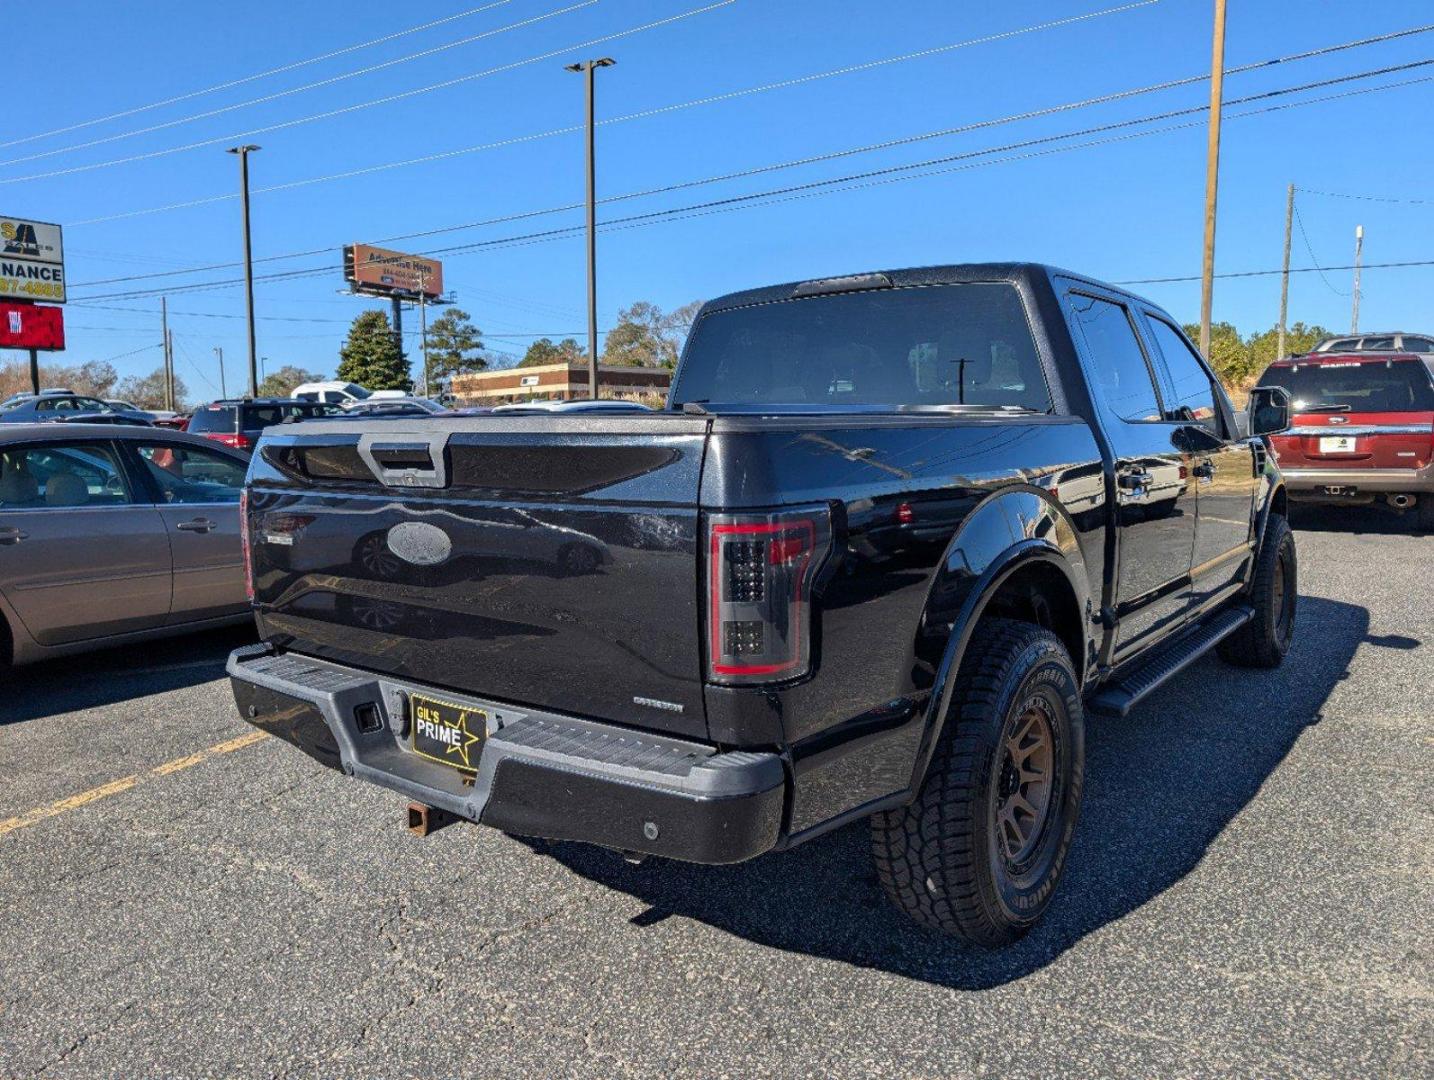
[(542, 561)]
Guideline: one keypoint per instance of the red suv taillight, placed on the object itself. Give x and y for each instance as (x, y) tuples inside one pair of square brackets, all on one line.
[(760, 570), (246, 550), (239, 441)]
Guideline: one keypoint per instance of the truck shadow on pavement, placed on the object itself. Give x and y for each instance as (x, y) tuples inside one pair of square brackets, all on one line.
[(1358, 520), (109, 676), (1161, 785)]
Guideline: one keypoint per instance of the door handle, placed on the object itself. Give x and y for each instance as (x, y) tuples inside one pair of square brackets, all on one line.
[(198, 525), (10, 537), (1205, 470), (1136, 481)]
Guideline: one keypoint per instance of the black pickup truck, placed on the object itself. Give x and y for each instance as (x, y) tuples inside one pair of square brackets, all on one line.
[(893, 538)]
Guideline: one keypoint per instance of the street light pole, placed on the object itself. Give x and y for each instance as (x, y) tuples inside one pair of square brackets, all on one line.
[(244, 152), (1212, 176), (223, 389), (588, 68), (1358, 262)]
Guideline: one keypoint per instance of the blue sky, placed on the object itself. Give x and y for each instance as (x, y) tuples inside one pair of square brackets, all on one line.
[(1124, 210)]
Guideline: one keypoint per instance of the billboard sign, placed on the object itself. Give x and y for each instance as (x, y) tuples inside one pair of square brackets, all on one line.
[(32, 261), (30, 326), (380, 272)]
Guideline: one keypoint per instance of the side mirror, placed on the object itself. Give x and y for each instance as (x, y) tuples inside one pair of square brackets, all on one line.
[(1269, 410)]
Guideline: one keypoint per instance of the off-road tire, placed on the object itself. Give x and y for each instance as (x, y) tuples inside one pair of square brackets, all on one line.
[(1263, 641), (940, 859)]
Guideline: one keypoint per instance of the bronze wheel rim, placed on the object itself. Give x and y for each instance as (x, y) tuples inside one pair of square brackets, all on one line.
[(1025, 777)]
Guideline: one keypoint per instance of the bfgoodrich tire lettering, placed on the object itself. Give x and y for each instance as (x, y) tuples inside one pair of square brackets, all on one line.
[(980, 851)]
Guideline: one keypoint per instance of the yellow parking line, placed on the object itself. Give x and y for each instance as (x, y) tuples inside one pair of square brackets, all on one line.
[(114, 787)]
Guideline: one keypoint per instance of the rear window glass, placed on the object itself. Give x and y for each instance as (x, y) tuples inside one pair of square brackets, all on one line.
[(933, 345), (257, 417), (1382, 386), (1417, 344), (213, 418)]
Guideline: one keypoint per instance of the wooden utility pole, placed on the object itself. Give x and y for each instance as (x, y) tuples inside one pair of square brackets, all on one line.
[(1285, 273), (1212, 175)]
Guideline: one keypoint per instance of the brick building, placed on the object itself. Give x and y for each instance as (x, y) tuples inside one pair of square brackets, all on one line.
[(557, 382)]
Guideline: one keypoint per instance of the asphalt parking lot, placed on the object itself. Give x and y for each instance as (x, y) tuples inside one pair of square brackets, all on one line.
[(1249, 894)]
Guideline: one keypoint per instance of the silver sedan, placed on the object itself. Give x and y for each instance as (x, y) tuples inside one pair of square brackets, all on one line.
[(115, 534)]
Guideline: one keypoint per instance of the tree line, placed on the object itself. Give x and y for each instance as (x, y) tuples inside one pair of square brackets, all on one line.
[(1239, 360)]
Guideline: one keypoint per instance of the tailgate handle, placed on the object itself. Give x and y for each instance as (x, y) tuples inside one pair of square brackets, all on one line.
[(406, 459), (395, 455)]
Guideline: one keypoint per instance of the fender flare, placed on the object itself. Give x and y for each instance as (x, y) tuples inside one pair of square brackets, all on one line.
[(1000, 567)]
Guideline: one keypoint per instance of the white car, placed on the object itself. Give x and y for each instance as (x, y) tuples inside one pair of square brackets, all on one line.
[(127, 406), (341, 393)]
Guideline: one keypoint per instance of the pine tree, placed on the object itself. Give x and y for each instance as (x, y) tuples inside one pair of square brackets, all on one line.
[(371, 356), (455, 346)]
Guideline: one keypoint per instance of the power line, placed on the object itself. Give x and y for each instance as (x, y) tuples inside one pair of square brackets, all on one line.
[(1365, 198), (843, 180), (400, 96), (1271, 273), (1310, 248), (132, 352), (300, 89), (1069, 106), (944, 132), (782, 84), (255, 77), (190, 361)]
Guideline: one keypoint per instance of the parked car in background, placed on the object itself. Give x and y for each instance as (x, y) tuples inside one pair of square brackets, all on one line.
[(335, 392), (404, 406), (26, 394), (110, 535), (1397, 341), (895, 537), (238, 422), (154, 415), (177, 422), (1363, 427), (579, 406), (52, 405)]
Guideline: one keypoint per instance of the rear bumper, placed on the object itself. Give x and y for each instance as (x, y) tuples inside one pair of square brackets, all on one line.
[(539, 774), (1313, 482)]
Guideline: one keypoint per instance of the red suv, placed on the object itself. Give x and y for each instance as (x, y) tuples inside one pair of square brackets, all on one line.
[(1362, 428)]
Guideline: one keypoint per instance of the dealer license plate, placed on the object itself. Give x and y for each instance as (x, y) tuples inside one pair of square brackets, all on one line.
[(443, 731), (1336, 444)]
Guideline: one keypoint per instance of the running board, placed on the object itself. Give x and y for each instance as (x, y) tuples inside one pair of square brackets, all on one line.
[(1120, 695)]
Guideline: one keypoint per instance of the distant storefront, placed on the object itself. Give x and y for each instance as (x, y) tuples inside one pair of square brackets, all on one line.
[(558, 382)]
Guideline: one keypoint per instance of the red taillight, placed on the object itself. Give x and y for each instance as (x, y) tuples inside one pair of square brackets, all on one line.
[(759, 578), (239, 441), (904, 514), (245, 548)]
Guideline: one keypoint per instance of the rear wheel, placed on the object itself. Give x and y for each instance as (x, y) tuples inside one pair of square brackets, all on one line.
[(981, 849), (1265, 639)]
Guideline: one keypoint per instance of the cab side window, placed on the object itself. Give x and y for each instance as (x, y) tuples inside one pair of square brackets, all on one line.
[(1191, 391), (1121, 375)]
